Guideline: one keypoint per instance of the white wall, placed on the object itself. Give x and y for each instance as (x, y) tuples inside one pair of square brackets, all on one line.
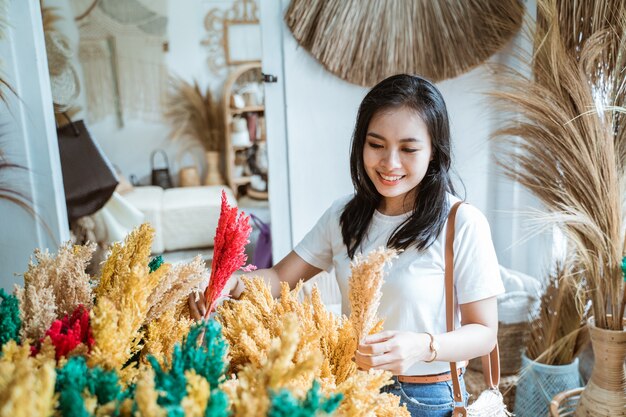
[(28, 138), (321, 111)]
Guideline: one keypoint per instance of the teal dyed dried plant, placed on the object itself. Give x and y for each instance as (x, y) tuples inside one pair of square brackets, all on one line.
[(9, 318)]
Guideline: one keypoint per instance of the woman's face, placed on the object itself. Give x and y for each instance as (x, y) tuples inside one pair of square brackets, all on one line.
[(396, 155)]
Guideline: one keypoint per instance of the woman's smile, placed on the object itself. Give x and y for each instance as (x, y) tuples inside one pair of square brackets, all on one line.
[(388, 179)]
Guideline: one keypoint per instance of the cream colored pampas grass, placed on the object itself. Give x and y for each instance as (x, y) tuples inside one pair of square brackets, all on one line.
[(53, 287), (365, 284), (194, 113), (364, 42), (175, 285), (570, 148)]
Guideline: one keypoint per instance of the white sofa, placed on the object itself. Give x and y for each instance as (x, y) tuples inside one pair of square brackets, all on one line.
[(183, 218)]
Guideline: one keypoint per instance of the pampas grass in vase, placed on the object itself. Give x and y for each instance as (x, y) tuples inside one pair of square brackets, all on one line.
[(558, 333), (195, 114), (570, 151)]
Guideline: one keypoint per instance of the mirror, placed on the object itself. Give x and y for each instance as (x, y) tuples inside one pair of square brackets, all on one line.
[(154, 82), (242, 41)]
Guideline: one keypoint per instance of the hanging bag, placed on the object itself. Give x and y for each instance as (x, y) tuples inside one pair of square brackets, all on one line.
[(88, 177), (161, 176), (490, 402), (262, 257)]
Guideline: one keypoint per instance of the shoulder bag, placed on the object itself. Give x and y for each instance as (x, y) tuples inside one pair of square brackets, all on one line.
[(88, 177), (490, 402)]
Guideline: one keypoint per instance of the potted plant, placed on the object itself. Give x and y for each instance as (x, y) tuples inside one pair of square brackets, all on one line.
[(194, 113), (570, 151), (557, 335)]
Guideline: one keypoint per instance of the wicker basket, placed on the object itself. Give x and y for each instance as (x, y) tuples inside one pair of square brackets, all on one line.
[(564, 404), (475, 384)]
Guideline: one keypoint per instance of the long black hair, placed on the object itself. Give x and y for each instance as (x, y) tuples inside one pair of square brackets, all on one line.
[(431, 206)]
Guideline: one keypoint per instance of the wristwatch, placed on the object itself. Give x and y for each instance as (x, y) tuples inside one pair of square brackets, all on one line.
[(434, 346)]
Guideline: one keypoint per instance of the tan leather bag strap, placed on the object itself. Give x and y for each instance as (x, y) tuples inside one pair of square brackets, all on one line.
[(491, 362)]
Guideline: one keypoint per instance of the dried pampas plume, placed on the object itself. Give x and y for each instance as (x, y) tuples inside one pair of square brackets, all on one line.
[(364, 42), (53, 287), (175, 286), (194, 113), (570, 145), (558, 332), (252, 324), (365, 284)]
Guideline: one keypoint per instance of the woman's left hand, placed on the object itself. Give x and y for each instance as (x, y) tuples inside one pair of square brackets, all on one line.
[(394, 351)]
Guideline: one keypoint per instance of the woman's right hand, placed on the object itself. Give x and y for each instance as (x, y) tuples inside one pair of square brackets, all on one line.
[(197, 305), (197, 302)]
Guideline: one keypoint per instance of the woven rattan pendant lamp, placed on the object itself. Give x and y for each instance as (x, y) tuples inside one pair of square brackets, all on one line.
[(364, 41)]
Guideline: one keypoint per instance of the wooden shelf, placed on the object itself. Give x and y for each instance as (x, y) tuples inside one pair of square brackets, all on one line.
[(241, 180), (231, 151), (257, 195), (247, 109)]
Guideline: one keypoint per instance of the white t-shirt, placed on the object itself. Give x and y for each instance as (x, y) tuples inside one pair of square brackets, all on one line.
[(413, 292)]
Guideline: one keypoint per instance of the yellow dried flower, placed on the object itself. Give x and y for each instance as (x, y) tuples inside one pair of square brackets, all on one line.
[(122, 304), (250, 394), (198, 394), (126, 409), (91, 402), (365, 284), (107, 409), (53, 287), (255, 328), (163, 333), (147, 396), (362, 392), (111, 348), (26, 384), (132, 254)]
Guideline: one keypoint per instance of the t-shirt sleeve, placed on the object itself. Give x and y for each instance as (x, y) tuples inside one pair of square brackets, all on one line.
[(476, 269), (316, 247)]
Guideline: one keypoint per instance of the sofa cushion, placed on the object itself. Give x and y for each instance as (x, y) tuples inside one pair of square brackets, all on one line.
[(149, 200), (190, 214)]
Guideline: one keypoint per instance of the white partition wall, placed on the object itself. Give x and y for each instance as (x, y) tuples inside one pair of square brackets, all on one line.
[(28, 138)]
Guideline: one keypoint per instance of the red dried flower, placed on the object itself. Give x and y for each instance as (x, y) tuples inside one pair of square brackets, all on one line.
[(69, 332), (231, 238)]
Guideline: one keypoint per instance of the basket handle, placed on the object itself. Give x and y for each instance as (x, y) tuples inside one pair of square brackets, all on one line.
[(163, 155)]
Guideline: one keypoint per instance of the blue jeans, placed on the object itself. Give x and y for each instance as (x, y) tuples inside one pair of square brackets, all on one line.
[(426, 400)]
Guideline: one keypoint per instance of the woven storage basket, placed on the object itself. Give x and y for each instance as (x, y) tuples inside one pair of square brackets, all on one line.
[(475, 384), (512, 342), (564, 403), (539, 383)]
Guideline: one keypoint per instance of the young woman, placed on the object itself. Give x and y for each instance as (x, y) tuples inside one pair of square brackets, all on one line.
[(400, 161)]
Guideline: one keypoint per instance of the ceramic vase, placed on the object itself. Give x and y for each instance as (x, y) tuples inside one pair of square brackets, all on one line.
[(213, 176)]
